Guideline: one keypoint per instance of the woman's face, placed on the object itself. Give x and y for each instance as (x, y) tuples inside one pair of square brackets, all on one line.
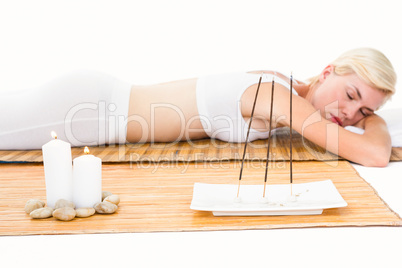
[(345, 99)]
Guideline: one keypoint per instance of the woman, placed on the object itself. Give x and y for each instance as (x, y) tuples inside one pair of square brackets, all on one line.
[(89, 108)]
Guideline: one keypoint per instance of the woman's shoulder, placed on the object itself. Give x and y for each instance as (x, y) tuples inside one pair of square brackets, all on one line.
[(277, 74)]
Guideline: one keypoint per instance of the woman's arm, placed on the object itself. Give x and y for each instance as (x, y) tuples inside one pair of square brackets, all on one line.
[(376, 132), (373, 148)]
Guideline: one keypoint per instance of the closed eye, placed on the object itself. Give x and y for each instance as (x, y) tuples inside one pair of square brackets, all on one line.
[(366, 111)]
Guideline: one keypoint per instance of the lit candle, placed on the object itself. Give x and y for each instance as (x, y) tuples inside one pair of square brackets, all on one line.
[(87, 180), (58, 170)]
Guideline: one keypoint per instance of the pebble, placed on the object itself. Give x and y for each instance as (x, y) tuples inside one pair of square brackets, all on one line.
[(114, 198), (84, 212), (105, 207), (105, 194), (33, 204), (41, 213), (61, 203), (64, 214), (64, 210)]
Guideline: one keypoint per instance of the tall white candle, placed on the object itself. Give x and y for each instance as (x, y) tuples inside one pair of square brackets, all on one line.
[(87, 180), (58, 170)]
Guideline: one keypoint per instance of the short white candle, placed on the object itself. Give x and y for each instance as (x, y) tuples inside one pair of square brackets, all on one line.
[(58, 170), (87, 180)]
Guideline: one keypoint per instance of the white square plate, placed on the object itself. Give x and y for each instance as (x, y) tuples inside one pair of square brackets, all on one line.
[(307, 199)]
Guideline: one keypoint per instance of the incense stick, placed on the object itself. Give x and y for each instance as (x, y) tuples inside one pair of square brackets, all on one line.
[(248, 132), (290, 125), (269, 135)]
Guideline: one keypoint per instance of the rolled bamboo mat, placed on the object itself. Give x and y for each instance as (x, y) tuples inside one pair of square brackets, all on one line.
[(156, 197), (205, 150)]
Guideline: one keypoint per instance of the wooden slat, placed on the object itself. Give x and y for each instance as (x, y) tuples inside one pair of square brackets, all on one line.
[(199, 150), (157, 197)]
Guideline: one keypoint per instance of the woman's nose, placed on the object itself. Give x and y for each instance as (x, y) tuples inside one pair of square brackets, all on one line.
[(350, 111)]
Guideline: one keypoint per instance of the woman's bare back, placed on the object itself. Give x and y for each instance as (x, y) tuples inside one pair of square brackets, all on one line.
[(168, 112), (164, 112)]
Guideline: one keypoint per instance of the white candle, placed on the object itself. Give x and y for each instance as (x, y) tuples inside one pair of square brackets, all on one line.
[(87, 180), (58, 170)]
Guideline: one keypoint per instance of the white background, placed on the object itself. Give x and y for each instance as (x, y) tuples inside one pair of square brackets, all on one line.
[(152, 41), (157, 41)]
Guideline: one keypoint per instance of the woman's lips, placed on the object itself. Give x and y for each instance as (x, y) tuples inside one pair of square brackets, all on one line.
[(336, 120)]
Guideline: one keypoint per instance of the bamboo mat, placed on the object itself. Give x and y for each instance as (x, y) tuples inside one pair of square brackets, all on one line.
[(199, 150), (156, 197)]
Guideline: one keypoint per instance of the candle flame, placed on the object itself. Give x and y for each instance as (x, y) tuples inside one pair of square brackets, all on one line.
[(86, 150), (54, 135)]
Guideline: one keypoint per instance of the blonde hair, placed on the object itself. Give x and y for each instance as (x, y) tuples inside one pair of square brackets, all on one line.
[(368, 64)]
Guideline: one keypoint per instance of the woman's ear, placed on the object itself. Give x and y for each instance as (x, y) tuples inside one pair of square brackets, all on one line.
[(327, 71)]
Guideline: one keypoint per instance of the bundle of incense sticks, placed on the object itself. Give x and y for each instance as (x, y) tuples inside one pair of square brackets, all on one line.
[(269, 135)]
